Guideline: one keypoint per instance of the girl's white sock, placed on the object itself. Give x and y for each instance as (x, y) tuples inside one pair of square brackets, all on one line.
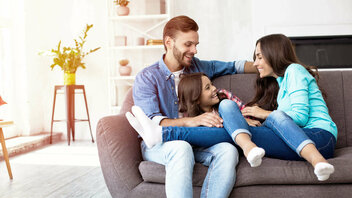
[(145, 127), (134, 123), (323, 170), (255, 156)]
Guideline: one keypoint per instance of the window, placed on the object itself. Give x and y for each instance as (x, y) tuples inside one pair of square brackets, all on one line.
[(7, 67), (4, 53)]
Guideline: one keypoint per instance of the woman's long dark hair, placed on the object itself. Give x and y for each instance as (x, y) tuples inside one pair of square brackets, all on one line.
[(277, 50)]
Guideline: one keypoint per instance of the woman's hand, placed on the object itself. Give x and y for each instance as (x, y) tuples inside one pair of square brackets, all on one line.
[(251, 122), (208, 119), (256, 112)]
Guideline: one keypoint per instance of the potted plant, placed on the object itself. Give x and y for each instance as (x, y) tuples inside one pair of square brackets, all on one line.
[(122, 10), (70, 58)]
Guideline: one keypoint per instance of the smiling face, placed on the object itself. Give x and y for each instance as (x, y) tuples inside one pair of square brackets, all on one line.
[(262, 65), (208, 96), (183, 47)]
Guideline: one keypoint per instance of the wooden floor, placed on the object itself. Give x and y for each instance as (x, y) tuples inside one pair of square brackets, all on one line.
[(55, 171)]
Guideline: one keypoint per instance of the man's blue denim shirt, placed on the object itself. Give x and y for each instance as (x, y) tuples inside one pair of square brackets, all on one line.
[(154, 87)]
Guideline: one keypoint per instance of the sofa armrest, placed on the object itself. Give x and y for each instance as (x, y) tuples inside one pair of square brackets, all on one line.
[(119, 154)]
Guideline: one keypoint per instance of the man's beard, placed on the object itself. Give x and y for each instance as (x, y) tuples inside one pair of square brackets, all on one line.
[(179, 57)]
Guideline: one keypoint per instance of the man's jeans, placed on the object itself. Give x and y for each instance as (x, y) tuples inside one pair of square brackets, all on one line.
[(279, 135), (179, 158)]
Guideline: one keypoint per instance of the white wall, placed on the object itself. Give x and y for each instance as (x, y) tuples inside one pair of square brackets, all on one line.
[(225, 27)]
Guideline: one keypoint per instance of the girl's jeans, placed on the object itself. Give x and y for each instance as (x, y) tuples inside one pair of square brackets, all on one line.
[(279, 136)]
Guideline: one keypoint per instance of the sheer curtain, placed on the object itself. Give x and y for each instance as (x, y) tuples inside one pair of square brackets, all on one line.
[(12, 66)]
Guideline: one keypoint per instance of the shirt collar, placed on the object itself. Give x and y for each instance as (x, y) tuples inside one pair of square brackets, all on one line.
[(164, 69)]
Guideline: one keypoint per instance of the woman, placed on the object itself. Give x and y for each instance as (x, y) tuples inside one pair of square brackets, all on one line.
[(297, 124)]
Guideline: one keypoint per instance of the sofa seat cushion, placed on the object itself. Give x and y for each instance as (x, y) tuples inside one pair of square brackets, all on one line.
[(275, 171), (272, 171), (155, 173)]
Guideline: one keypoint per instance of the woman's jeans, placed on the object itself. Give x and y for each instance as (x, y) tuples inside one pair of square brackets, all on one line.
[(179, 158), (278, 135)]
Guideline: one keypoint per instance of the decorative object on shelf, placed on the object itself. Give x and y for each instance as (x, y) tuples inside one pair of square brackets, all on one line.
[(120, 40), (122, 10), (162, 7), (140, 41), (2, 102), (70, 58), (154, 42), (125, 69)]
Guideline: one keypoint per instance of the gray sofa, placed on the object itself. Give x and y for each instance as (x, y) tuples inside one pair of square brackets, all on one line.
[(127, 175)]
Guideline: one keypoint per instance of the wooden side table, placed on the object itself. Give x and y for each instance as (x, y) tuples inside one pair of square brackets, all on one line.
[(69, 91), (4, 149)]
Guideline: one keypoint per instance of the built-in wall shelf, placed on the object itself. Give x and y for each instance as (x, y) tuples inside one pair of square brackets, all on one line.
[(127, 39)]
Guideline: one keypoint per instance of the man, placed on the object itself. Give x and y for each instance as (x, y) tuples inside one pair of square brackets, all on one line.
[(155, 91)]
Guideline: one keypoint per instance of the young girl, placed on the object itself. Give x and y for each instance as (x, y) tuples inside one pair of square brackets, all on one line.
[(197, 95), (297, 123)]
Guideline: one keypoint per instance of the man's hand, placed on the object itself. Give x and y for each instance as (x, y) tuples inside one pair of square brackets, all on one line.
[(254, 123), (256, 112), (250, 68), (208, 119)]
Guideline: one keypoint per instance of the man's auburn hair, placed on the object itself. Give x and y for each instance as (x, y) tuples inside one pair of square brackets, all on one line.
[(179, 23)]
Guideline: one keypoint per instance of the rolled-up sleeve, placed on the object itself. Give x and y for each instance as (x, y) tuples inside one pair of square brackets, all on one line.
[(239, 65)]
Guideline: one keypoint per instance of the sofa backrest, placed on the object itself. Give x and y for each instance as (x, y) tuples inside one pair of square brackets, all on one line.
[(336, 84), (347, 93)]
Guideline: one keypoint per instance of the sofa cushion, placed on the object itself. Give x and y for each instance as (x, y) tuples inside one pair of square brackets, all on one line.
[(332, 83), (154, 172), (347, 88), (128, 102), (242, 85), (272, 171), (275, 171)]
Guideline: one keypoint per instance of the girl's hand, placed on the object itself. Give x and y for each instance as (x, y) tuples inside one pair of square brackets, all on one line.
[(256, 112), (254, 123)]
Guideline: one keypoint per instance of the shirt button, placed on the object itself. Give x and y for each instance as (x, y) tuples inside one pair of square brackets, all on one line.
[(172, 88), (175, 102)]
